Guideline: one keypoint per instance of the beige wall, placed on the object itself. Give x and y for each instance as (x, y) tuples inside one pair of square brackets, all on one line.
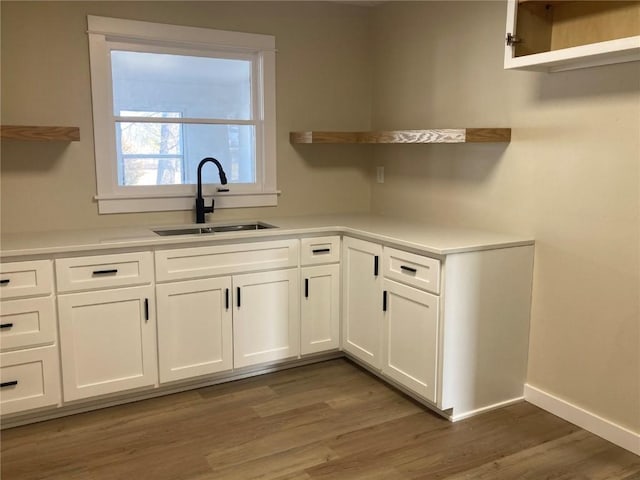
[(323, 71), (569, 177)]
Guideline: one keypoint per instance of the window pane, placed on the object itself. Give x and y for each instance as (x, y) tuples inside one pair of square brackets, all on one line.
[(193, 87), (152, 171), (150, 138), (169, 153)]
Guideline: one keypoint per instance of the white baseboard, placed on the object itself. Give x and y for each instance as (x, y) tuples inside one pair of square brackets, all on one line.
[(488, 408), (591, 422)]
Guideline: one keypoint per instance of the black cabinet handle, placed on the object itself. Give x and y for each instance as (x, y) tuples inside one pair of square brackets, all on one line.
[(375, 266), (8, 384), (321, 250), (226, 298), (146, 309), (306, 288), (4, 281), (408, 269), (238, 295), (6, 325), (384, 301), (110, 271)]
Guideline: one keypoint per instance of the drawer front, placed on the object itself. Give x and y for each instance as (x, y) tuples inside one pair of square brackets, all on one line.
[(27, 323), (26, 279), (29, 379), (415, 270), (104, 271), (314, 251), (225, 259)]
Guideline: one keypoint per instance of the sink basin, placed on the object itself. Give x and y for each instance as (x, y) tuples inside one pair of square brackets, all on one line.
[(236, 227)]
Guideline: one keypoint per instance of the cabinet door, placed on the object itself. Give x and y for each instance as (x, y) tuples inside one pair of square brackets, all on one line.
[(410, 338), (362, 306), (266, 317), (320, 309), (194, 328), (107, 341)]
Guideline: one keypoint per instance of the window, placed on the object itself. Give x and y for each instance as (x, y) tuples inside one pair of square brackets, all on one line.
[(165, 97)]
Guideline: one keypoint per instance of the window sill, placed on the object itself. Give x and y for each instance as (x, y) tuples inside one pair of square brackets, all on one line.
[(132, 204)]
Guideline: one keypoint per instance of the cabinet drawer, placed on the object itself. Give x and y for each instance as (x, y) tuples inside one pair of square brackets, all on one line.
[(27, 323), (104, 271), (25, 279), (225, 259), (29, 379), (415, 270), (318, 250)]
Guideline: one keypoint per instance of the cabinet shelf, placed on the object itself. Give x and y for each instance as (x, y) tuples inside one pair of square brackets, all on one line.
[(39, 134), (451, 135)]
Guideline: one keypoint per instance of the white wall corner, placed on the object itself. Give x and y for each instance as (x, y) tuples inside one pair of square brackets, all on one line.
[(591, 422)]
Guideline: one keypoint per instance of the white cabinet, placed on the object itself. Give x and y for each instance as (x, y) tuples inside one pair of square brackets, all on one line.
[(107, 341), (410, 338), (220, 317), (450, 329), (266, 317), (320, 309), (29, 363), (362, 304), (320, 300), (559, 35), (194, 328), (107, 337), (453, 331)]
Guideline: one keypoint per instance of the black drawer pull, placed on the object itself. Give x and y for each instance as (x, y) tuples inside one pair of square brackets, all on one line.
[(105, 272), (226, 298), (4, 281), (375, 266), (306, 288), (9, 384), (146, 309), (321, 250), (384, 301), (408, 269), (6, 325), (238, 295)]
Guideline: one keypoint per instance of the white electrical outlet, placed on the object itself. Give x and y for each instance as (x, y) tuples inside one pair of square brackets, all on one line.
[(380, 174)]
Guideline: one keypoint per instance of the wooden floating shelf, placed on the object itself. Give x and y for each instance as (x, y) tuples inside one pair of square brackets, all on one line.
[(40, 134), (451, 135)]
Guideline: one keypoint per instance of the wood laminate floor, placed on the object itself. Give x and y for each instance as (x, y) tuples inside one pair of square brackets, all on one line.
[(330, 420)]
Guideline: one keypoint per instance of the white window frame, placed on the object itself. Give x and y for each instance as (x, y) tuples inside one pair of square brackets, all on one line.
[(107, 34)]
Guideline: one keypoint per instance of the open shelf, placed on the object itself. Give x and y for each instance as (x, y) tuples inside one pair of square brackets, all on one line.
[(451, 135), (40, 134)]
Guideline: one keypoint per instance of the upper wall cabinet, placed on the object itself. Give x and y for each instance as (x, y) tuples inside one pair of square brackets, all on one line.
[(557, 35)]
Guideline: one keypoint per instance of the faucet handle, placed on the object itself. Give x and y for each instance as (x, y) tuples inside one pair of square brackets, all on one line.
[(210, 209)]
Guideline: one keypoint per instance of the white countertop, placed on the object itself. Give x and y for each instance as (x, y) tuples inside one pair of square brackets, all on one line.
[(427, 238)]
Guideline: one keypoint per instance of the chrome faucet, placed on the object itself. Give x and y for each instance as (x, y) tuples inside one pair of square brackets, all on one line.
[(201, 209)]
